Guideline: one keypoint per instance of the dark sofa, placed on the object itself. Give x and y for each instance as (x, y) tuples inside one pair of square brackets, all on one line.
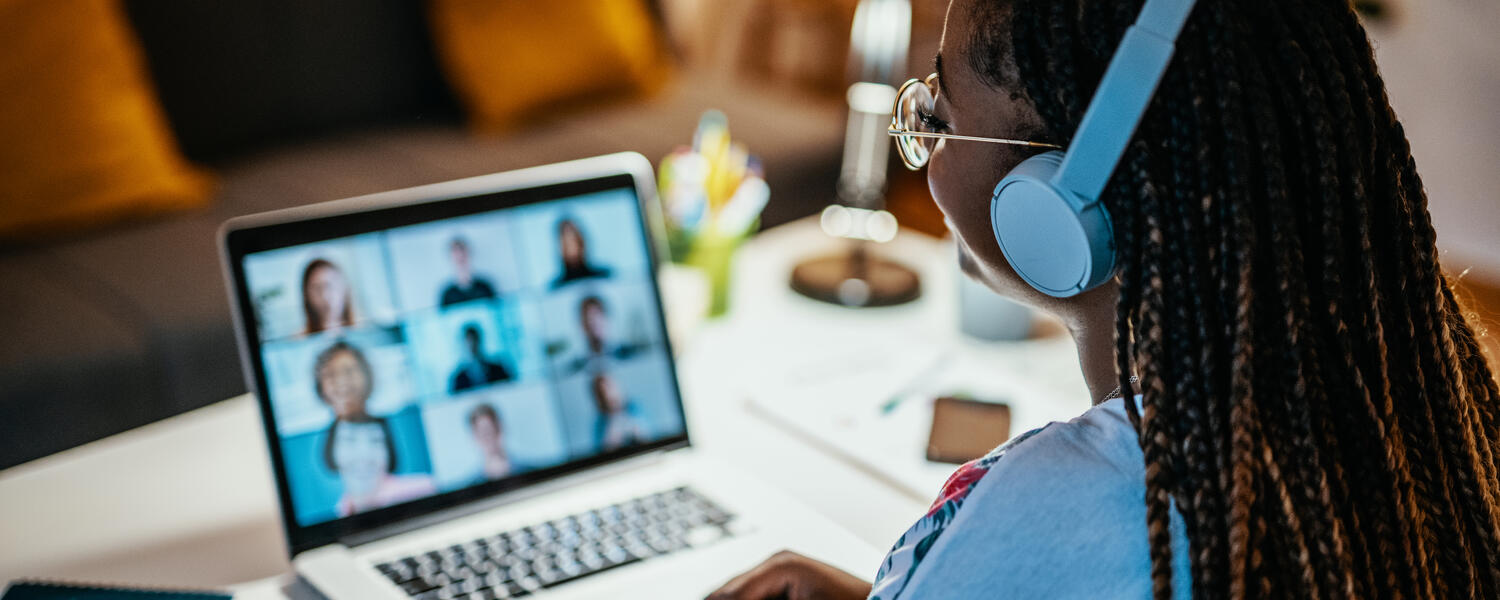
[(291, 102)]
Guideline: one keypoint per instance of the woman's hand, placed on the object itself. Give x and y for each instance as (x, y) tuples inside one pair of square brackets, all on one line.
[(792, 576)]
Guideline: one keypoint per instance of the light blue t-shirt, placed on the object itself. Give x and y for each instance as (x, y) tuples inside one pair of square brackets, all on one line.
[(1056, 513)]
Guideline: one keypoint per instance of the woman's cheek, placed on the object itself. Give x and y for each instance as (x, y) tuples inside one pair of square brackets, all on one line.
[(961, 184), (962, 194), (941, 181)]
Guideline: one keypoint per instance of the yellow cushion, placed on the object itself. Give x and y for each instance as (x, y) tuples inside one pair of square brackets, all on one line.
[(85, 141), (511, 60)]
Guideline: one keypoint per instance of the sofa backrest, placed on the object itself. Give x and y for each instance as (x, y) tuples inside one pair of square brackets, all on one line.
[(233, 76)]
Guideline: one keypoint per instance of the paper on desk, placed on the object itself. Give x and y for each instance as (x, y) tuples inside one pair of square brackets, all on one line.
[(871, 403)]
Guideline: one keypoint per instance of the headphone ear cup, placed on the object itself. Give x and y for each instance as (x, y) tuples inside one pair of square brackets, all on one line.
[(1056, 241)]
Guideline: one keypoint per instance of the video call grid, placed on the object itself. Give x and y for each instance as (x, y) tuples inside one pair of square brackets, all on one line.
[(509, 307)]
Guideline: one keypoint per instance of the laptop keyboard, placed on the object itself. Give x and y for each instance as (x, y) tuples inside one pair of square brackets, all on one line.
[(519, 562)]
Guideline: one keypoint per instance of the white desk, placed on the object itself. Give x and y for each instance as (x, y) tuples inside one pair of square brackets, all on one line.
[(191, 501)]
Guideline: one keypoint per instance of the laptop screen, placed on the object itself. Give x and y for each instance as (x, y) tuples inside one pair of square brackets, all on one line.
[(514, 336)]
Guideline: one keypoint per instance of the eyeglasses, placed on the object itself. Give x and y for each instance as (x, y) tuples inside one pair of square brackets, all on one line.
[(910, 124)]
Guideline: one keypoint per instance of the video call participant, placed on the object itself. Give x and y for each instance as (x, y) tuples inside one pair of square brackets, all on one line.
[(489, 436), (362, 452), (466, 285), (593, 318), (574, 251), (327, 297), (476, 370), (616, 427), (593, 321), (343, 380)]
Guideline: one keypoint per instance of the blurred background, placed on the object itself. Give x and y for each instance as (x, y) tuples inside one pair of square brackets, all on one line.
[(134, 128)]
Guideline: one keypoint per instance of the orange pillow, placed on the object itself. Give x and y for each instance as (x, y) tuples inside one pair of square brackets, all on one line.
[(85, 142), (509, 60)]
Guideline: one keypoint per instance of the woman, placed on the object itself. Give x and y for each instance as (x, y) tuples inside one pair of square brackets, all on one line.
[(616, 427), (362, 452), (489, 436), (326, 297), (1313, 417), (343, 380), (573, 249)]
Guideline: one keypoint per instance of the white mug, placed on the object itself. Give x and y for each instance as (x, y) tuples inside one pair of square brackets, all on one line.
[(989, 316)]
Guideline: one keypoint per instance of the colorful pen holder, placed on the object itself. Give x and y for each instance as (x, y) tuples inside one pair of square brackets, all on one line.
[(712, 195), (713, 254)]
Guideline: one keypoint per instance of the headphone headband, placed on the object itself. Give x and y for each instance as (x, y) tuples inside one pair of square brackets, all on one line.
[(1122, 98)]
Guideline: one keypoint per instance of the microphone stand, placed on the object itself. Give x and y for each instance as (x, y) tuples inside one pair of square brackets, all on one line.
[(858, 277)]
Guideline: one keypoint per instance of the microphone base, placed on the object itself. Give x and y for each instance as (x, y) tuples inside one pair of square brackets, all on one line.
[(856, 279)]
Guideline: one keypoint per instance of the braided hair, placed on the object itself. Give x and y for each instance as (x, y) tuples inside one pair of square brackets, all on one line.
[(1327, 426)]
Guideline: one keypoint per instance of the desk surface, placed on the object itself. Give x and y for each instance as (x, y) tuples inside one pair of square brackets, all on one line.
[(191, 501)]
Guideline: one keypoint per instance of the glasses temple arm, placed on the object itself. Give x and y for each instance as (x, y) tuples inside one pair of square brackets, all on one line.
[(949, 136)]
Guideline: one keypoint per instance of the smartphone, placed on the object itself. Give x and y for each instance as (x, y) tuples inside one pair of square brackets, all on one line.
[(965, 429)]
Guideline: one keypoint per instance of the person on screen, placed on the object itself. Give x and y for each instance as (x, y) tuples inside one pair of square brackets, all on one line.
[(362, 452), (616, 427), (594, 319), (327, 297), (489, 436), (598, 338), (573, 248), (343, 380), (466, 285), (476, 370)]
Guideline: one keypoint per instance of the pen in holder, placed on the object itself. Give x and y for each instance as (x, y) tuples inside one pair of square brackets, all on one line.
[(713, 193)]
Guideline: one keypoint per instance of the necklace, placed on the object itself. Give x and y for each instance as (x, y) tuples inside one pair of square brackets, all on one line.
[(1115, 393)]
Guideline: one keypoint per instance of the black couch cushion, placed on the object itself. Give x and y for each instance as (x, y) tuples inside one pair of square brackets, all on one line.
[(233, 76)]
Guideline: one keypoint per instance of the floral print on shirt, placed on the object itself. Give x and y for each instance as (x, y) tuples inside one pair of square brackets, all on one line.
[(907, 554)]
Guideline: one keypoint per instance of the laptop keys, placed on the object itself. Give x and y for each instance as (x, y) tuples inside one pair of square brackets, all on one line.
[(516, 563)]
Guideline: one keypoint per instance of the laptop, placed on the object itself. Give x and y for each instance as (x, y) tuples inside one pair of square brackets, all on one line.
[(468, 392)]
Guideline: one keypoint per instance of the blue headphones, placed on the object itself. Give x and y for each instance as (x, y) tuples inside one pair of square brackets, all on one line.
[(1046, 212)]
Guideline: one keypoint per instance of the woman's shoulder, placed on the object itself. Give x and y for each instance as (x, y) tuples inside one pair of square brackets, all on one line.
[(1101, 443), (1058, 513), (1066, 474)]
